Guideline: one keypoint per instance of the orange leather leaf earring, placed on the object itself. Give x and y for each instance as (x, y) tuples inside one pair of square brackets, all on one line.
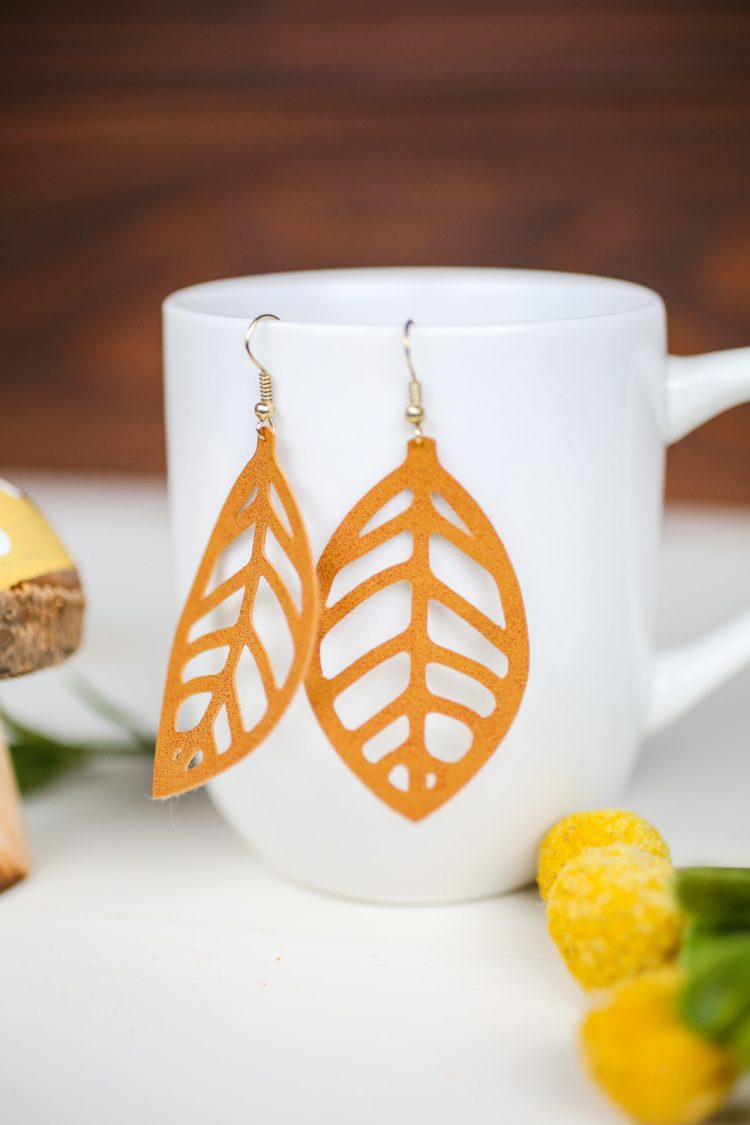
[(450, 705), (230, 677)]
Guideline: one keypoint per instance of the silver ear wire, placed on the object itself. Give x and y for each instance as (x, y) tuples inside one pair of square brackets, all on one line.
[(415, 409), (265, 409)]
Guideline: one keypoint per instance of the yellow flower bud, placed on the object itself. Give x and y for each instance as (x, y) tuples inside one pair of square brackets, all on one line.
[(572, 835), (654, 1067), (612, 914)]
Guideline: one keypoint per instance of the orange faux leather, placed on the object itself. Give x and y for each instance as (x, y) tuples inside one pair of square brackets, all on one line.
[(185, 759), (431, 782)]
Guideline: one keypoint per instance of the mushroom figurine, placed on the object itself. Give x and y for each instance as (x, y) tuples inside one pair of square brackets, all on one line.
[(41, 615)]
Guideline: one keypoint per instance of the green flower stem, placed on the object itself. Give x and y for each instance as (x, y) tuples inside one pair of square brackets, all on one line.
[(40, 759)]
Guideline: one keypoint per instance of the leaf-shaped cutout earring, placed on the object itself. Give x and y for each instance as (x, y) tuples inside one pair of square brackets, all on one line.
[(415, 776), (204, 726)]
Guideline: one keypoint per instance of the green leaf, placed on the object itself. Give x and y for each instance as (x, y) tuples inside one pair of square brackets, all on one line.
[(706, 943), (41, 766), (40, 759), (715, 998), (741, 1044), (719, 894)]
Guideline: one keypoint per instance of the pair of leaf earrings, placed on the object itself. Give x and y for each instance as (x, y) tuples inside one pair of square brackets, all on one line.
[(211, 645)]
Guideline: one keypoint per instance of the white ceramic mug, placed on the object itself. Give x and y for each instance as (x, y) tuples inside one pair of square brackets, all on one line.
[(552, 400)]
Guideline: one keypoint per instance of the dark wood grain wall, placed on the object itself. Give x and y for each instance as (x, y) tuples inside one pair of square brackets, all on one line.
[(146, 146)]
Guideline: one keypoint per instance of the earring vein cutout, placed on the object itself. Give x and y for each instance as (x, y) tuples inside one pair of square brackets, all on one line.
[(244, 638)]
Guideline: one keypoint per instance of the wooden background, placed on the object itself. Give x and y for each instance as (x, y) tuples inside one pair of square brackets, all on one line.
[(149, 145)]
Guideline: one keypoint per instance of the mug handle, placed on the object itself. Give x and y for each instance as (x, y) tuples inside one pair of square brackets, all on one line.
[(698, 388)]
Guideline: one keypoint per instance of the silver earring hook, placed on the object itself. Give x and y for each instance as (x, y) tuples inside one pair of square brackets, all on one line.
[(407, 349), (415, 409), (265, 409)]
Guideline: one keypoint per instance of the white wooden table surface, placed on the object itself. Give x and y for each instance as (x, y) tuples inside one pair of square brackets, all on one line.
[(152, 970)]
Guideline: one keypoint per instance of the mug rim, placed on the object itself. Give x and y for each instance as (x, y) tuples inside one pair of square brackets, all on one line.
[(637, 298)]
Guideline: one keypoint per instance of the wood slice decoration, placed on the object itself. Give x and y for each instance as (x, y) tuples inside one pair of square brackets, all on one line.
[(41, 599), (224, 693), (421, 772)]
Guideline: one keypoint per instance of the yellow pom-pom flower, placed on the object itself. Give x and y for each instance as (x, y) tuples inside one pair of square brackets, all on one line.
[(653, 1066), (612, 914), (574, 834)]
